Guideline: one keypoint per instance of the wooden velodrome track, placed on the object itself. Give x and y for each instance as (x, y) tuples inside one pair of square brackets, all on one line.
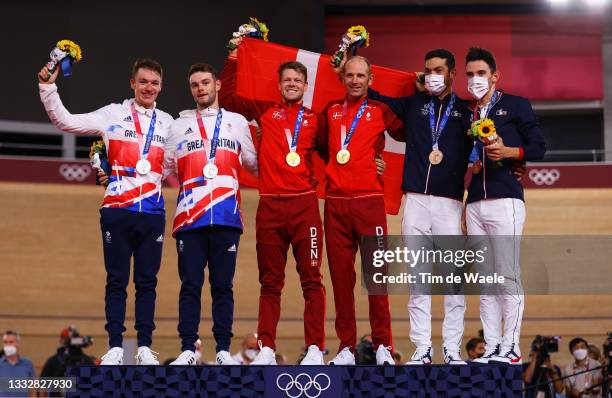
[(53, 276)]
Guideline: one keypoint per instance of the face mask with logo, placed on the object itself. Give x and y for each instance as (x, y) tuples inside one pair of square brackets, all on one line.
[(478, 86), (250, 353), (435, 84), (10, 350), (580, 354)]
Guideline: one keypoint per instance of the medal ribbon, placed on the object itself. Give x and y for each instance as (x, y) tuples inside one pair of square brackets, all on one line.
[(344, 137), (436, 133), (293, 140), (147, 145), (476, 115), (204, 135)]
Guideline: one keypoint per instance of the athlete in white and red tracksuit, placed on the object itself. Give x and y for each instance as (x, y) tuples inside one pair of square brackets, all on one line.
[(132, 214), (288, 211), (354, 204), (208, 147), (496, 204)]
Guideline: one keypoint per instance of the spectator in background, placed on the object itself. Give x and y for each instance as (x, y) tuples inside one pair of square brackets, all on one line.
[(249, 350), (70, 353), (14, 365), (579, 386), (541, 370), (595, 353), (475, 348)]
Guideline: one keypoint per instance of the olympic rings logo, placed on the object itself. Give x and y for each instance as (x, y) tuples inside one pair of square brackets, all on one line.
[(303, 385), (74, 172), (544, 176)]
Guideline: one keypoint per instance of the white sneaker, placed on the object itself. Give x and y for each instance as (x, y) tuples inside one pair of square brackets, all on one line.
[(266, 356), (422, 356), (146, 356), (344, 357), (489, 354), (314, 356), (510, 355), (187, 357), (114, 356), (383, 356), (225, 358), (453, 356)]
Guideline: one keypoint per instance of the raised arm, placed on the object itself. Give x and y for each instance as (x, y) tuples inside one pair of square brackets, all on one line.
[(399, 105), (80, 124), (228, 96)]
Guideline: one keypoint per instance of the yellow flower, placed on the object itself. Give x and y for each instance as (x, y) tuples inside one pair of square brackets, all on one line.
[(486, 129), (359, 31), (261, 26), (97, 147), (71, 48)]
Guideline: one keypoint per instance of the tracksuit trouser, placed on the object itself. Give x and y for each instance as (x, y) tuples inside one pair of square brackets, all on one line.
[(426, 215), (280, 222), (346, 222), (217, 247), (125, 234), (502, 221)]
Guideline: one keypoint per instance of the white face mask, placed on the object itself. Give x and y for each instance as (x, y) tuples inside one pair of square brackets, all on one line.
[(10, 350), (580, 354), (198, 356), (478, 86), (250, 353), (435, 84)]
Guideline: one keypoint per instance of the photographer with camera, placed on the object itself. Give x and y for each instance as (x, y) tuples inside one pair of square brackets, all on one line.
[(541, 370), (70, 353), (586, 384)]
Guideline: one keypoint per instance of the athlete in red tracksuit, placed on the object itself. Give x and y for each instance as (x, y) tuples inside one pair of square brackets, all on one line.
[(354, 205), (288, 211)]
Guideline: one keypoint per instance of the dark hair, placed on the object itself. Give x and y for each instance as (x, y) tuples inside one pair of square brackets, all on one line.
[(147, 63), (575, 341), (480, 54), (444, 54), (296, 66), (472, 343), (202, 67)]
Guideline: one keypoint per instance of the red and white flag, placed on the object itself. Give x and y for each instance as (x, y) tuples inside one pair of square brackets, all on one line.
[(257, 78)]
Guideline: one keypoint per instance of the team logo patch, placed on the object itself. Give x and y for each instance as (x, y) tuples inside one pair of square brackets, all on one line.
[(336, 115), (189, 131), (368, 116), (277, 115), (501, 112), (232, 248), (127, 119), (181, 246), (456, 114), (160, 239), (305, 123), (107, 237)]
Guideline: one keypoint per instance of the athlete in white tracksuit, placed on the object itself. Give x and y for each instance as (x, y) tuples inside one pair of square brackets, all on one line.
[(496, 205), (436, 120)]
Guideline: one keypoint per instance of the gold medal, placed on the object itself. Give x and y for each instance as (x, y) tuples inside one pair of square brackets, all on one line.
[(435, 157), (293, 159), (343, 156)]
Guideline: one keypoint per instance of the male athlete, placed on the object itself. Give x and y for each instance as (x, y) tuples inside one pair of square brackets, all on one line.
[(207, 147), (132, 214)]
